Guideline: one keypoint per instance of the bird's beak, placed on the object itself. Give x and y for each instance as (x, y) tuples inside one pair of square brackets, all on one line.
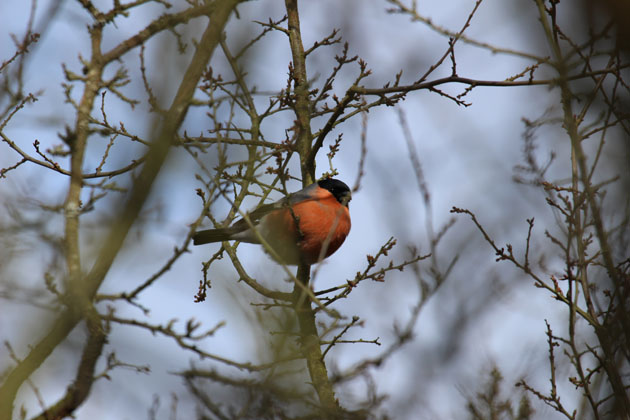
[(345, 199)]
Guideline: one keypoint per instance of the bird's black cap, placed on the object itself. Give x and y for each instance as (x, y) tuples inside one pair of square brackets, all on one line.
[(337, 188)]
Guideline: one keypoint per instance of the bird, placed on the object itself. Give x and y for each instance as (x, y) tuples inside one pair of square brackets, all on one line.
[(302, 228)]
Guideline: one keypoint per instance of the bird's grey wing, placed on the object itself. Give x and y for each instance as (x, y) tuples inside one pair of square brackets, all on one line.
[(298, 196), (261, 211)]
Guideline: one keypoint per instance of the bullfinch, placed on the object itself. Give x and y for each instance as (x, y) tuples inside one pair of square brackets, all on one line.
[(303, 227)]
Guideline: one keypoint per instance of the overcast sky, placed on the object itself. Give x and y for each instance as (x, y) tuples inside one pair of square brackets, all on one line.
[(467, 154)]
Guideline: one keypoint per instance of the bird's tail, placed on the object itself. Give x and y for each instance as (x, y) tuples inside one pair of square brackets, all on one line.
[(213, 235)]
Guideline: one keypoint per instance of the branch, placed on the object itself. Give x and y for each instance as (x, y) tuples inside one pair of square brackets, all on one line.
[(164, 22), (79, 390), (474, 82), (309, 342), (302, 105), (622, 401), (155, 158)]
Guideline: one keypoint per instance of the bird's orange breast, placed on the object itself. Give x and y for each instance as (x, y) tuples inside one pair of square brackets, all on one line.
[(310, 231)]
